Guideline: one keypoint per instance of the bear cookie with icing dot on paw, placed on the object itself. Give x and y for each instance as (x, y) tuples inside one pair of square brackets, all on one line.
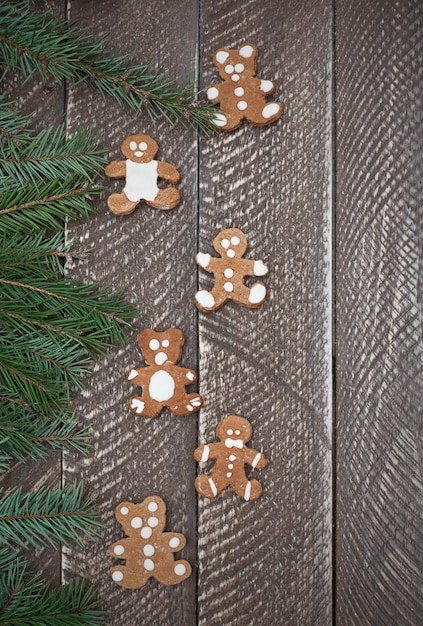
[(229, 271), (241, 95), (163, 381), (147, 549), (142, 172)]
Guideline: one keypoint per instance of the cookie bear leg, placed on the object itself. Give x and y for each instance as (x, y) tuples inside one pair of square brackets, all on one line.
[(250, 296), (119, 204), (129, 577), (248, 489), (172, 572), (208, 486), (266, 115), (144, 407), (210, 300), (166, 199), (227, 120), (192, 403)]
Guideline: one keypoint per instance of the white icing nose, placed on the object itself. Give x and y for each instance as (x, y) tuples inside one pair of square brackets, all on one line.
[(138, 153), (160, 358)]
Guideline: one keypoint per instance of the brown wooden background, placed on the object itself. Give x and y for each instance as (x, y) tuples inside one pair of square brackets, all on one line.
[(328, 370)]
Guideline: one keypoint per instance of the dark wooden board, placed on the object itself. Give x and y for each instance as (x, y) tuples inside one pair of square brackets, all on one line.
[(379, 299)]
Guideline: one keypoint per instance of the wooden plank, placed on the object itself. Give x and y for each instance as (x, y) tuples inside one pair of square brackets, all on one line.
[(269, 562), (151, 254), (379, 356)]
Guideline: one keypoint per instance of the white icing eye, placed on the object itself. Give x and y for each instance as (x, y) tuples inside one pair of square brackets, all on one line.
[(153, 522), (118, 550), (124, 510), (225, 243), (133, 146), (143, 145), (229, 69), (165, 344), (239, 68), (237, 432), (136, 522), (174, 542), (235, 241), (235, 77), (154, 344), (146, 532), (231, 253), (230, 432), (153, 506)]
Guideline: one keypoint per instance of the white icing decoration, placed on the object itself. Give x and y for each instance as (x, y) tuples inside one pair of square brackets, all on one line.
[(228, 273), (190, 376), (117, 576), (247, 491), (221, 56), (141, 181), (132, 374), (180, 569), (237, 432), (228, 287), (234, 443), (152, 507), (165, 343), (270, 110), (235, 240), (231, 254), (257, 293), (154, 344), (146, 532), (266, 85), (242, 105), (212, 93), (230, 432), (260, 268), (246, 51), (124, 510), (133, 145), (229, 69), (205, 455), (232, 457), (213, 486), (256, 459), (149, 565), (160, 358), (143, 146), (225, 243), (153, 522), (235, 78), (229, 474), (205, 298), (148, 549), (190, 408), (239, 67), (230, 465), (174, 542), (196, 401), (138, 153), (203, 259), (136, 522), (219, 119), (118, 550), (138, 405), (162, 386), (238, 91)]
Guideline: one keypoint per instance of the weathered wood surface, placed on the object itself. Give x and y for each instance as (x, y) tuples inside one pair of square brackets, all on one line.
[(270, 562)]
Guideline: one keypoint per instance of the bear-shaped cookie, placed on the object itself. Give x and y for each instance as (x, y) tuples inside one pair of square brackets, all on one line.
[(229, 271), (142, 172), (242, 95), (147, 549), (231, 454), (163, 381)]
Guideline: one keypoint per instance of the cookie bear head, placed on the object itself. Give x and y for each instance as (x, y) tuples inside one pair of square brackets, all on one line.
[(143, 518), (234, 65), (230, 243), (159, 348), (139, 148), (234, 430)]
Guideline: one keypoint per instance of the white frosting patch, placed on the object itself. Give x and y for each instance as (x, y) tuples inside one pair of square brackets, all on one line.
[(162, 386), (260, 268), (270, 110), (196, 401), (234, 443), (138, 405), (118, 550), (132, 374), (205, 298), (165, 343), (213, 486), (152, 507), (228, 273), (148, 565), (153, 522), (141, 181), (174, 542), (238, 91), (242, 105), (246, 51), (266, 85), (231, 254), (136, 522), (257, 294), (229, 474), (212, 93), (133, 145), (221, 56), (190, 376), (146, 532), (229, 287), (219, 119), (205, 455), (124, 510), (148, 549), (160, 358), (256, 459), (235, 78), (203, 259), (239, 67), (232, 457), (117, 576), (154, 344), (247, 491), (229, 69), (180, 569)]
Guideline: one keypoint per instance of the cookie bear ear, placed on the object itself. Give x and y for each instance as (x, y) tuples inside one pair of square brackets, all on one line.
[(248, 51), (221, 56)]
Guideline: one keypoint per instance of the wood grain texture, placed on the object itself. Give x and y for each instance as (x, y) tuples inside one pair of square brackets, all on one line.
[(269, 562), (379, 299), (150, 253)]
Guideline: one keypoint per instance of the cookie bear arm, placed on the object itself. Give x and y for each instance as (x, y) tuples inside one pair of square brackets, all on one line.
[(254, 458), (116, 169), (188, 374), (139, 376), (207, 451), (121, 549), (168, 172), (267, 86), (175, 541)]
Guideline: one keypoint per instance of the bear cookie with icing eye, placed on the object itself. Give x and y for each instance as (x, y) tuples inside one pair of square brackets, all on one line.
[(163, 382), (147, 549), (229, 271), (242, 95), (231, 454), (142, 172)]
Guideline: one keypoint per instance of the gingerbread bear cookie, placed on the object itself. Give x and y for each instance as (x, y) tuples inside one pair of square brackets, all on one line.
[(163, 381), (229, 272), (241, 95), (231, 455), (142, 173), (147, 549)]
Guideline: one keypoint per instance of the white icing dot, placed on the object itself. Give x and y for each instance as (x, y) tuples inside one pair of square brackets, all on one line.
[(221, 56), (154, 344), (180, 569), (246, 51), (148, 549), (174, 542), (143, 145), (239, 68), (239, 91), (228, 273), (257, 293), (149, 565), (242, 105), (230, 432), (235, 78), (153, 522), (230, 465), (237, 432), (235, 241), (152, 507), (232, 457), (117, 576), (228, 287), (225, 243), (136, 522), (205, 299), (133, 145), (124, 510), (219, 119), (119, 550), (212, 93), (165, 343), (231, 253), (146, 532), (229, 474), (229, 69), (270, 109)]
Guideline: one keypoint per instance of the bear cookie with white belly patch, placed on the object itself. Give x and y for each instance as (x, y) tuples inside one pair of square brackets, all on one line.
[(147, 549), (163, 381), (229, 271), (142, 172), (241, 95), (231, 454)]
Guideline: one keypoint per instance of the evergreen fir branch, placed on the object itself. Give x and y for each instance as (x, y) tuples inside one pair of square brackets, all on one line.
[(13, 125), (47, 517), (65, 52), (33, 254)]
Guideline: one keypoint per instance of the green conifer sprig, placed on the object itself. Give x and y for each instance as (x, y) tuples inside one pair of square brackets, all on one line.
[(63, 51)]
